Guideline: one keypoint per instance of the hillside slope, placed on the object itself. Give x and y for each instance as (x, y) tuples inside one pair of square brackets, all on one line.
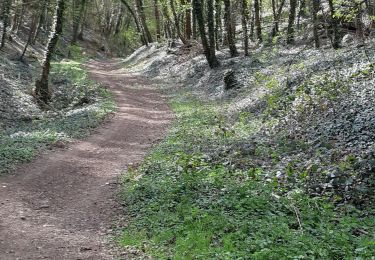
[(275, 162)]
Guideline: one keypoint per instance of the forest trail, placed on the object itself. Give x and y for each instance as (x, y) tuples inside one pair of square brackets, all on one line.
[(61, 205)]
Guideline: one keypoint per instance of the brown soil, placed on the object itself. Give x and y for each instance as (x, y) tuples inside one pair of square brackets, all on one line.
[(62, 205)]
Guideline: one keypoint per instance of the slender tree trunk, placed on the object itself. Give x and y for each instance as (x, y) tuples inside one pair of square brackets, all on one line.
[(211, 59), (143, 37), (274, 14), (157, 19), (142, 18), (275, 28), (194, 26), (167, 23), (302, 12), (6, 18), (33, 28), (252, 23), (211, 27), (188, 31), (229, 29), (177, 22), (17, 15), (42, 92), (77, 18), (41, 20), (219, 25), (257, 20), (245, 18), (119, 21), (292, 16), (82, 24), (360, 27), (335, 30), (315, 8)]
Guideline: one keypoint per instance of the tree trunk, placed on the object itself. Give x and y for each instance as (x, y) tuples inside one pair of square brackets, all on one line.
[(188, 31), (275, 28), (82, 25), (41, 20), (176, 22), (119, 21), (245, 18), (33, 28), (211, 27), (358, 21), (302, 12), (6, 15), (157, 19), (315, 8), (257, 20), (252, 23), (17, 15), (142, 18), (194, 26), (218, 23), (292, 16), (335, 30), (211, 59), (42, 92), (77, 18), (229, 29), (143, 37)]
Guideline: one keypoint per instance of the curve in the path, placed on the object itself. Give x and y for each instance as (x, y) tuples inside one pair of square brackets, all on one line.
[(61, 205)]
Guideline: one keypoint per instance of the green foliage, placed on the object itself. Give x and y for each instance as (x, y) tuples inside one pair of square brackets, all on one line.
[(21, 142), (347, 10), (75, 52), (182, 203)]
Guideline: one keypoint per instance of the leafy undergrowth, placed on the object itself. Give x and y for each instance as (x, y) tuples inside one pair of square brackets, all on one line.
[(78, 106), (195, 197)]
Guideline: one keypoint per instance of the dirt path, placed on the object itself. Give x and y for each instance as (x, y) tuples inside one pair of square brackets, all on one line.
[(61, 205)]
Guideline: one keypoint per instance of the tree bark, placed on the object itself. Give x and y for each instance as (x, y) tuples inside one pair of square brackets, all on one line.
[(229, 29), (142, 18), (157, 20), (315, 8), (20, 8), (252, 23), (143, 37), (276, 20), (119, 21), (41, 20), (292, 16), (6, 16), (176, 22), (301, 12), (188, 31), (245, 19), (211, 59), (211, 27), (258, 25), (42, 91), (33, 27), (77, 18), (335, 30), (194, 26), (218, 25)]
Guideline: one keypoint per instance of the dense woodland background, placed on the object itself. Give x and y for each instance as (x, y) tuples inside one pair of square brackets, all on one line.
[(272, 155), (123, 26)]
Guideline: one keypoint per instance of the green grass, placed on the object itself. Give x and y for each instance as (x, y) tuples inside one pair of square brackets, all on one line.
[(190, 200), (23, 141)]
